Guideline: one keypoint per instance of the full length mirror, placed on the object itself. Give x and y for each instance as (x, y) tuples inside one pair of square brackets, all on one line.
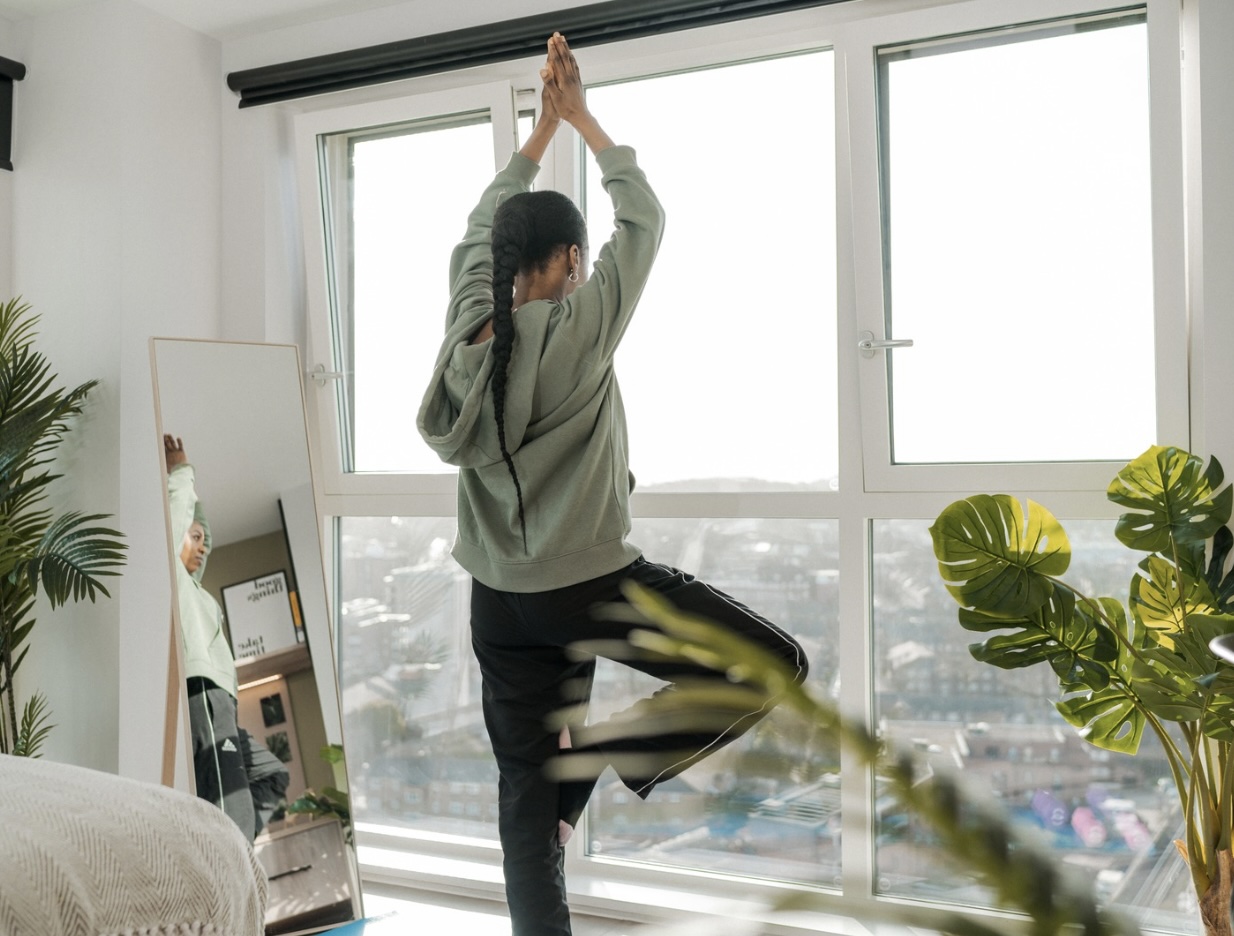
[(256, 660)]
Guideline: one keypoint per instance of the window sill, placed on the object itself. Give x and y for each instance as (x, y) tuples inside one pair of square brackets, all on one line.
[(685, 899)]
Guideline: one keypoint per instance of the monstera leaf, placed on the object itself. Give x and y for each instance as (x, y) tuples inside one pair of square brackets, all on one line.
[(1220, 582), (1188, 682), (1078, 648), (1163, 603), (1173, 499), (1113, 717), (996, 559), (1108, 718)]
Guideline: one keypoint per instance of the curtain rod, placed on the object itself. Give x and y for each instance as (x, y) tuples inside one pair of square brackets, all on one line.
[(592, 24), (10, 71)]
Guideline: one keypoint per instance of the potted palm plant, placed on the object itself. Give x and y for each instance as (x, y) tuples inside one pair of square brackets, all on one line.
[(1123, 667), (62, 555)]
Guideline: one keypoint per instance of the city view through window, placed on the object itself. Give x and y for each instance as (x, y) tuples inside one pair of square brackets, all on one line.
[(769, 806)]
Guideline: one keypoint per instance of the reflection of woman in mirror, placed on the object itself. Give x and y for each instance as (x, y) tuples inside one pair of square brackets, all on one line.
[(221, 749), (525, 401)]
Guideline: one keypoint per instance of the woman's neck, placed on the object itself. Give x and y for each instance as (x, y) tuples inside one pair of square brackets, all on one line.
[(537, 290)]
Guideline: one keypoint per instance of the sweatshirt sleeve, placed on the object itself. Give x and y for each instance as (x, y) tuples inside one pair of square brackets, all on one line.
[(182, 496), (598, 312), (471, 263)]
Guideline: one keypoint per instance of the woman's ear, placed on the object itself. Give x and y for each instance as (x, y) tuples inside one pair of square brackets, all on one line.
[(576, 258)]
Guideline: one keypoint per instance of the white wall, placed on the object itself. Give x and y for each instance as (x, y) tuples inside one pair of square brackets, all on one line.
[(116, 212)]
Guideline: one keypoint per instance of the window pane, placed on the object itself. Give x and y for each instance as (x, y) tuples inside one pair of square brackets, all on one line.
[(734, 341), (767, 805), (1018, 192), (411, 193), (1110, 819), (410, 684)]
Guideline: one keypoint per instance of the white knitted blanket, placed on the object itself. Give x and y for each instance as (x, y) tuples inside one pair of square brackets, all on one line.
[(87, 853)]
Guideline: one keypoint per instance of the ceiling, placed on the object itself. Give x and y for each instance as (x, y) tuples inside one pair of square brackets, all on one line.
[(222, 19)]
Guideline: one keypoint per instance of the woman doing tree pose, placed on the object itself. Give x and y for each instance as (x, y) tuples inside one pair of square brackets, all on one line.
[(524, 400)]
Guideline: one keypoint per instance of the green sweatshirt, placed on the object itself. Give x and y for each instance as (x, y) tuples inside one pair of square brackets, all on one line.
[(206, 651), (565, 423)]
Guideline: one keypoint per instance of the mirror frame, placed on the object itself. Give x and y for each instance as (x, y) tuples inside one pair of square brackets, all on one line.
[(298, 518)]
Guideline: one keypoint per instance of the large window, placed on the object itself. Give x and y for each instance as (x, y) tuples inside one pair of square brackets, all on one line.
[(745, 281), (836, 181), (399, 286), (410, 685), (1019, 242), (768, 805)]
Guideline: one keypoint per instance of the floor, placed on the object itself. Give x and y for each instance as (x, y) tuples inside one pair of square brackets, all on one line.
[(444, 913)]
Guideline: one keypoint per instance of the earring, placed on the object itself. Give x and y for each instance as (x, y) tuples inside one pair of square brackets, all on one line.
[(573, 277)]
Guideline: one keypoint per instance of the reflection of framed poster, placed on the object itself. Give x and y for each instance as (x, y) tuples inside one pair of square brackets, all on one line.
[(259, 616)]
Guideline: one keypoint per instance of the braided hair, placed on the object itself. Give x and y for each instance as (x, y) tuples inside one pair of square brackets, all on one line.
[(529, 230)]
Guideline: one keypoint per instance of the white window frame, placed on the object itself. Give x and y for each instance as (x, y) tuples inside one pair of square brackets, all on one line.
[(870, 486), (325, 225), (1168, 248)]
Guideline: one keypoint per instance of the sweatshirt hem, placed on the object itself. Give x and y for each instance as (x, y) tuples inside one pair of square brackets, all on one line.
[(538, 575)]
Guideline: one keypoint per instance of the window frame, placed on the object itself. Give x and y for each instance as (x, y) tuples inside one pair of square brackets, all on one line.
[(871, 488), (321, 140), (1168, 252)]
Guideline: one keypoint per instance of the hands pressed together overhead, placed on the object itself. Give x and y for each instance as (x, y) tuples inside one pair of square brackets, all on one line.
[(562, 98)]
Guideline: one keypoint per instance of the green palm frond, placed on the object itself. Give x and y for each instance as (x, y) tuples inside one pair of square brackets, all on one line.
[(66, 556), (27, 527), (34, 416), (31, 434), (25, 380), (4, 684), (19, 490), (71, 557), (34, 727), (17, 324)]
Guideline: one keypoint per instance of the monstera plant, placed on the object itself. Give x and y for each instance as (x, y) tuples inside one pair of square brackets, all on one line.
[(1123, 667), (63, 555)]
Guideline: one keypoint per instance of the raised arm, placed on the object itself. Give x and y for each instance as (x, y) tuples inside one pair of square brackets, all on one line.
[(181, 494), (598, 312), (471, 263), (542, 133)]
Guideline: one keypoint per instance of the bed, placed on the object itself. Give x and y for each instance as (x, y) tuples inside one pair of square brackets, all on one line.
[(88, 853)]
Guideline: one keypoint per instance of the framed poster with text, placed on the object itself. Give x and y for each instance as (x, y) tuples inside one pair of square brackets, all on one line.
[(259, 616)]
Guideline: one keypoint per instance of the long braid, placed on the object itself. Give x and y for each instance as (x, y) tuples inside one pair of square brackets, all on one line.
[(529, 228), (507, 253)]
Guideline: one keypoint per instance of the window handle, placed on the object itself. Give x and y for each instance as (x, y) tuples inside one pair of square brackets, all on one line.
[(320, 375), (867, 344)]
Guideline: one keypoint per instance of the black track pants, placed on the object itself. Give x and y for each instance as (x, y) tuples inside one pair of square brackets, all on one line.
[(218, 756), (520, 642)]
